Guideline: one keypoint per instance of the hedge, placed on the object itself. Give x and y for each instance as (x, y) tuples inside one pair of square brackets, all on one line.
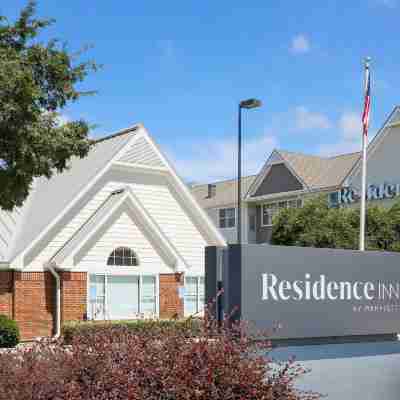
[(9, 332), (189, 326), (131, 360)]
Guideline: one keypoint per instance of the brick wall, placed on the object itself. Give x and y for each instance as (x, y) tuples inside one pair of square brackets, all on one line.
[(73, 295), (170, 303), (6, 293), (34, 303)]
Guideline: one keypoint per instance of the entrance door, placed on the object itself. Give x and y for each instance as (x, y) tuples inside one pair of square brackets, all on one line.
[(123, 297)]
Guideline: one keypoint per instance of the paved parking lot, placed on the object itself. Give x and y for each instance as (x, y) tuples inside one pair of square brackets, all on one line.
[(367, 371)]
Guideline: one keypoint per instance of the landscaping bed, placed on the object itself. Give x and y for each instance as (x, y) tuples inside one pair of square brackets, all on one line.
[(149, 360)]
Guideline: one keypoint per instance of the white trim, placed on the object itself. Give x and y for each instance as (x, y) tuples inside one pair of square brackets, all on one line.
[(148, 226), (265, 171), (256, 181), (4, 266), (284, 195), (204, 223), (277, 202), (198, 303), (139, 167), (79, 195)]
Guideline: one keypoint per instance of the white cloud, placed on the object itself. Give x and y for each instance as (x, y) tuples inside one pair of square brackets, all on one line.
[(349, 139), (216, 160), (306, 119), (350, 125), (340, 147), (300, 44)]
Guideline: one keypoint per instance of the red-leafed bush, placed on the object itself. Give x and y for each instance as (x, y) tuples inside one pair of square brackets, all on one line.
[(118, 363)]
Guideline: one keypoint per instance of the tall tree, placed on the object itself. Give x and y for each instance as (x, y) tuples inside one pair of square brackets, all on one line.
[(37, 80)]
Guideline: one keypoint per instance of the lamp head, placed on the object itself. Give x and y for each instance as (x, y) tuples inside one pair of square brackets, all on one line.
[(250, 103)]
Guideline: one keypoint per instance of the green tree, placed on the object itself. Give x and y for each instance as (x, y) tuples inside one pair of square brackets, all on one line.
[(37, 80), (317, 225)]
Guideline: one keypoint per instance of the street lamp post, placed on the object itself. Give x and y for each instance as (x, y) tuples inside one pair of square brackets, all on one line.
[(247, 104)]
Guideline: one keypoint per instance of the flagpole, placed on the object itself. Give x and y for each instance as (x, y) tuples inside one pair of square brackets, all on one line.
[(364, 168)]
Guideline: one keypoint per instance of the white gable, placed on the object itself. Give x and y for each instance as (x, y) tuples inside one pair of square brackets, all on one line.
[(157, 201), (124, 232), (52, 197), (175, 222), (141, 152)]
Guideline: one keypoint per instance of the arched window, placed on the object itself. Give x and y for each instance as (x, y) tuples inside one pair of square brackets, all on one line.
[(123, 256)]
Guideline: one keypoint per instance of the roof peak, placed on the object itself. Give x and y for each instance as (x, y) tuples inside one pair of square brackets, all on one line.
[(118, 133)]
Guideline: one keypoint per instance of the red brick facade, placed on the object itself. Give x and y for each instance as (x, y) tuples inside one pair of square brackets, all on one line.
[(29, 298), (73, 296), (6, 293), (171, 306), (34, 303)]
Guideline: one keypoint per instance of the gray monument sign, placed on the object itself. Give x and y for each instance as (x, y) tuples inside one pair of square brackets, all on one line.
[(308, 292)]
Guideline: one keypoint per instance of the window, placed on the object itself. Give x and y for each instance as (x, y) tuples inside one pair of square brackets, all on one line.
[(123, 256), (252, 223), (97, 297), (122, 296), (334, 199), (227, 217), (194, 295), (269, 210)]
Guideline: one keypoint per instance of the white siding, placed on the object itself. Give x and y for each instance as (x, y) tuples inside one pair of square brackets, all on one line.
[(58, 241), (8, 225), (174, 222), (141, 152), (162, 206), (123, 232)]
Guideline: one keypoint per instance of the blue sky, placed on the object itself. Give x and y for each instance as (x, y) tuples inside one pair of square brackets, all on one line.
[(182, 67)]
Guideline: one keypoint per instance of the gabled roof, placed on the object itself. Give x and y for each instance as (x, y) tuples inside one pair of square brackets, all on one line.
[(50, 197), (314, 172), (116, 202), (320, 172), (225, 192)]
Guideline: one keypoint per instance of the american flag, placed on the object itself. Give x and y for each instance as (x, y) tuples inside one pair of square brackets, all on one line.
[(367, 103)]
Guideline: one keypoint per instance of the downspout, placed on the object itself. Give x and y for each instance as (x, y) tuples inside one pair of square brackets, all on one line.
[(50, 267)]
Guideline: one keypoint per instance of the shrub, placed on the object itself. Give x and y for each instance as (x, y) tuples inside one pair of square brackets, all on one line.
[(189, 326), (9, 332), (116, 362)]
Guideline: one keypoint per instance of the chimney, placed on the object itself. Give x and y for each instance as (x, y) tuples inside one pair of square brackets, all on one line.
[(211, 190)]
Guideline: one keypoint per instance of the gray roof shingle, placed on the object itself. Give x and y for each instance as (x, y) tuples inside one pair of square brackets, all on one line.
[(225, 193), (316, 172), (51, 196), (320, 172)]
